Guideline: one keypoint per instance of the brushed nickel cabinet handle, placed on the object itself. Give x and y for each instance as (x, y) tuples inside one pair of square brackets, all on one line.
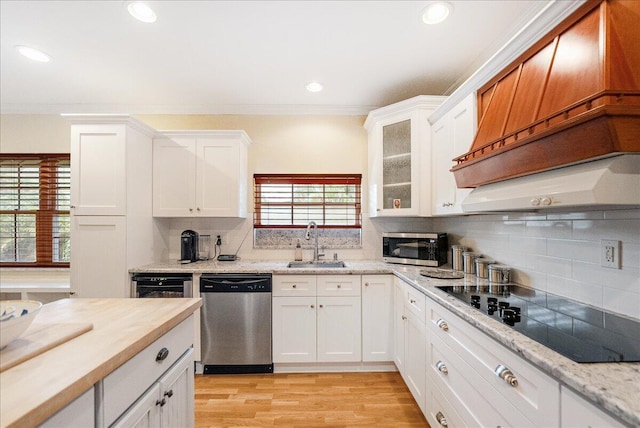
[(442, 368), (442, 324), (441, 419)]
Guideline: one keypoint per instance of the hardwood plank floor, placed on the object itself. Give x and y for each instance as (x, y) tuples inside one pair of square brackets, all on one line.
[(306, 400)]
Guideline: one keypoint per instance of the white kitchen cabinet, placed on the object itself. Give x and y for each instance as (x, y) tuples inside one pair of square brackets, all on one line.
[(576, 412), (377, 317), (200, 174), (168, 403), (400, 157), (112, 225), (154, 388), (322, 327), (415, 357), (451, 136), (294, 329), (399, 321), (472, 383), (80, 413)]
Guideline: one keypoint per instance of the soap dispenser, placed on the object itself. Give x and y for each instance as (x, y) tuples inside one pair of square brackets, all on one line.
[(298, 254)]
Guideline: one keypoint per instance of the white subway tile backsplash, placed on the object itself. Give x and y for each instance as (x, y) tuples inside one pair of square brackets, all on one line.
[(626, 280), (586, 251), (630, 255), (627, 230), (550, 265), (622, 302), (633, 214), (576, 290), (549, 229), (527, 244)]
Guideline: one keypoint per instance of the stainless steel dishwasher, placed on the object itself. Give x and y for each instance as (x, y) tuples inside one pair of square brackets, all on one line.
[(235, 323)]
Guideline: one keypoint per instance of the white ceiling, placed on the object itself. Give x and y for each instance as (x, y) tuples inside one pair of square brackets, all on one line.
[(243, 56)]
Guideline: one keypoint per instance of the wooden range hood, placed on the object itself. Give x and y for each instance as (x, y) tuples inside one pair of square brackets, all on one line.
[(573, 96)]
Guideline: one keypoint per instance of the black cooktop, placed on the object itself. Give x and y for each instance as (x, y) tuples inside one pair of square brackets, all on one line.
[(577, 331)]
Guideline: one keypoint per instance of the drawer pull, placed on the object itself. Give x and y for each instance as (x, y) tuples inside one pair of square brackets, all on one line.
[(442, 368), (366, 284), (412, 301), (312, 306), (169, 393), (162, 354), (321, 306), (339, 286), (441, 419), (293, 286), (404, 318), (506, 375), (161, 402), (442, 324)]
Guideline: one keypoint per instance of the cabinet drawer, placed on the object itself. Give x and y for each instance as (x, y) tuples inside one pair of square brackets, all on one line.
[(441, 413), (294, 285), (536, 395), (476, 401), (415, 302), (131, 380), (338, 285)]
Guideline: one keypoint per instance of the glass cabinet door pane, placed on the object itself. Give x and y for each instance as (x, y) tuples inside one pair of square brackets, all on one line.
[(396, 170)]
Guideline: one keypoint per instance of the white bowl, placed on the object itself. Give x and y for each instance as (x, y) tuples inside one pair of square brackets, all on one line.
[(12, 328), (6, 311)]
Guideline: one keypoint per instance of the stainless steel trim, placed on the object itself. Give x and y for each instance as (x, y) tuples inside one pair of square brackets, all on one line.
[(411, 261), (410, 235)]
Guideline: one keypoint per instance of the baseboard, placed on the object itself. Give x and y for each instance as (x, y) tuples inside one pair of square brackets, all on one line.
[(383, 366)]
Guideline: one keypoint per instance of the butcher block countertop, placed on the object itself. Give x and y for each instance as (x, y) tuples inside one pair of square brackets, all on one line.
[(37, 388)]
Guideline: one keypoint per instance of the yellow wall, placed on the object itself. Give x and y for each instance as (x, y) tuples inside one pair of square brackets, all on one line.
[(26, 133)]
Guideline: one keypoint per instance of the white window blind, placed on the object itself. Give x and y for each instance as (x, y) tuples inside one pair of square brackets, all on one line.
[(34, 210), (293, 200)]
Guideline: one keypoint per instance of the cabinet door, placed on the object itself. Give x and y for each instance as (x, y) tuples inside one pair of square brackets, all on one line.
[(377, 317), (452, 136), (339, 329), (174, 170), (294, 329), (145, 413), (77, 414), (219, 173), (399, 325), (416, 359), (177, 394), (98, 169), (576, 412), (98, 266)]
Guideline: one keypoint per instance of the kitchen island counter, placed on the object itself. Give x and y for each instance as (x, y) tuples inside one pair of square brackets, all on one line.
[(611, 386), (37, 388)]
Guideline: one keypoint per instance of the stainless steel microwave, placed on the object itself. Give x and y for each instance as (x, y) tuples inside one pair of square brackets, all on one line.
[(422, 249)]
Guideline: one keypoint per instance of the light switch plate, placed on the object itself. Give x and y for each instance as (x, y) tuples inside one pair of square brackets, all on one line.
[(610, 253)]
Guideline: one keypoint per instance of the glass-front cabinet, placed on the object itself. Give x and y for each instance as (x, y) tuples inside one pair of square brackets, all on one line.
[(400, 157)]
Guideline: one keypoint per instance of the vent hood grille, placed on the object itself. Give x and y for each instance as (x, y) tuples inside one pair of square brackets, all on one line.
[(612, 182)]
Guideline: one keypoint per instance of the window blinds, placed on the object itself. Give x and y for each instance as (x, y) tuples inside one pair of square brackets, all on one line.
[(293, 200), (34, 210)]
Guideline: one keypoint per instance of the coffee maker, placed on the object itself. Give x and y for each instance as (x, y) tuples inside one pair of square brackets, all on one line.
[(189, 246)]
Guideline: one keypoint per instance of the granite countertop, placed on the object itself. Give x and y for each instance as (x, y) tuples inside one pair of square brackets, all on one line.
[(612, 386), (36, 389)]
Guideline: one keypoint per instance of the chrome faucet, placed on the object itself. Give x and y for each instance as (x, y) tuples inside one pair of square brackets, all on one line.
[(316, 255)]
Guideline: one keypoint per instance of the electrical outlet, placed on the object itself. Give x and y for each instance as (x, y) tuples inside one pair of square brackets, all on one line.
[(610, 253)]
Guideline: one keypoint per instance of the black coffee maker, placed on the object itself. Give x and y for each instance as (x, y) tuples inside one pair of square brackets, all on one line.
[(189, 246)]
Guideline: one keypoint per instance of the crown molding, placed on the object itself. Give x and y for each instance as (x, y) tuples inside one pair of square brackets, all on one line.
[(212, 109)]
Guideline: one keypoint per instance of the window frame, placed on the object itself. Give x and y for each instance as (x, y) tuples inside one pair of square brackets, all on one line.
[(312, 179), (46, 212)]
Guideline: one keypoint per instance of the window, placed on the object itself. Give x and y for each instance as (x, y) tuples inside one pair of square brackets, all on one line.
[(34, 210), (293, 200)]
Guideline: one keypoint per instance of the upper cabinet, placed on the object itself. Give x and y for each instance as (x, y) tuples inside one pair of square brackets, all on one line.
[(451, 136), (200, 174), (400, 158)]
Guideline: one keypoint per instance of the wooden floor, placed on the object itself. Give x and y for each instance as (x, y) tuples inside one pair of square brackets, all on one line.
[(305, 400)]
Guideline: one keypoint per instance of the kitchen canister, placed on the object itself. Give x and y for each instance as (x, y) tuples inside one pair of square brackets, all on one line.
[(469, 261), (482, 267), (499, 274), (456, 256)]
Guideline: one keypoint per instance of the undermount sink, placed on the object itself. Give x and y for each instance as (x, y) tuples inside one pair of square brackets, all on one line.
[(316, 264)]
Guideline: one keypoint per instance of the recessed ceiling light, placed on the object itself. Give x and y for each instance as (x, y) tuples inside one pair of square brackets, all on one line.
[(436, 12), (33, 53), (314, 87), (142, 12)]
